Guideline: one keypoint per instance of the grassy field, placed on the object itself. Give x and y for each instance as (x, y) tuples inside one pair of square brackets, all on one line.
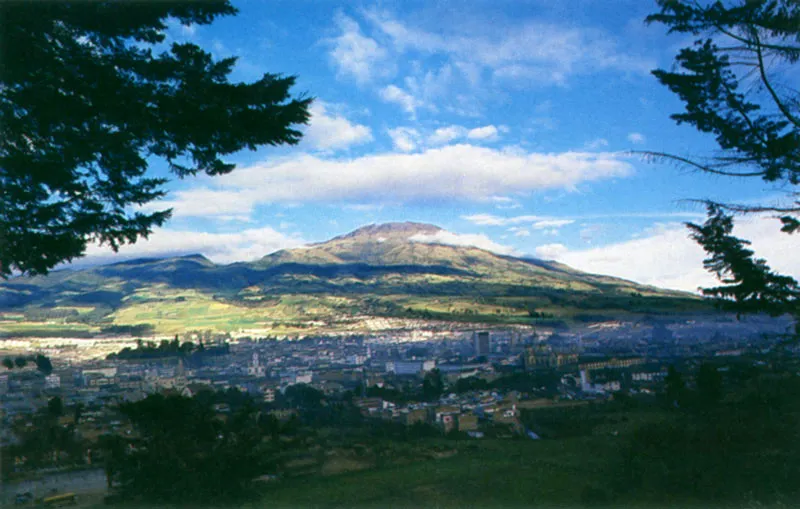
[(485, 473), (45, 329), (481, 474)]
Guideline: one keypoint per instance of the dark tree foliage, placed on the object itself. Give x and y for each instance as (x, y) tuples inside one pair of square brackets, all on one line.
[(43, 364), (749, 285), (303, 396), (432, 385), (88, 100), (184, 453), (741, 451), (55, 407), (674, 387), (8, 363), (709, 385), (736, 84), (21, 362)]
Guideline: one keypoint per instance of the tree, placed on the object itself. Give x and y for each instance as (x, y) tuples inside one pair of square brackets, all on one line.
[(89, 99), (183, 453), (55, 407), (77, 412), (43, 364), (432, 385), (20, 362), (709, 385), (736, 83), (8, 363), (748, 284), (674, 387)]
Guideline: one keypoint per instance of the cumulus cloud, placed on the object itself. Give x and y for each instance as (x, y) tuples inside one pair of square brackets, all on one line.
[(455, 172), (404, 139), (667, 258), (204, 201), (486, 133), (450, 133), (357, 55), (637, 138), (329, 131), (469, 239), (396, 95), (447, 134), (551, 251), (246, 245)]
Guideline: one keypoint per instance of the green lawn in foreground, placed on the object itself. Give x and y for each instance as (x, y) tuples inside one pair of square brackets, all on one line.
[(483, 473)]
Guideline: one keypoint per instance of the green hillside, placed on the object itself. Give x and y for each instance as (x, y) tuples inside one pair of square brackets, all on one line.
[(395, 270)]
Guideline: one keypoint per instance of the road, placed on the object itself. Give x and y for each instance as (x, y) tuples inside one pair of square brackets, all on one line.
[(81, 482)]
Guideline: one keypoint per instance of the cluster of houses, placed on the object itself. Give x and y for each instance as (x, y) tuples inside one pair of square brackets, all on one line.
[(333, 365)]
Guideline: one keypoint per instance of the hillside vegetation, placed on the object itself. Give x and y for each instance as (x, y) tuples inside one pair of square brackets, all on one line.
[(382, 271)]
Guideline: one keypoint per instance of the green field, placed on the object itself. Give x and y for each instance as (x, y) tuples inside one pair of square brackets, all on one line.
[(485, 473)]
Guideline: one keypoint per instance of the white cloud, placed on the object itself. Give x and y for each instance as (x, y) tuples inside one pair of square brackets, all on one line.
[(543, 52), (470, 239), (519, 232), (456, 172), (551, 251), (245, 245), (450, 133), (597, 143), (637, 138), (203, 201), (590, 232), (404, 139), (327, 131), (357, 55), (551, 224), (447, 134), (667, 258), (396, 95), (490, 220), (363, 207), (486, 133)]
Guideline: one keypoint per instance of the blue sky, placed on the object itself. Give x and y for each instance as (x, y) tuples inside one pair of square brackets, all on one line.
[(505, 122)]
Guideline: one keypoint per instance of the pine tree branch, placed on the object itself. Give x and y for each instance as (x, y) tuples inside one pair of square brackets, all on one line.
[(764, 79)]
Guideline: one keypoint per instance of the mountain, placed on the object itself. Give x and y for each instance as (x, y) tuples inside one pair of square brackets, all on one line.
[(394, 270)]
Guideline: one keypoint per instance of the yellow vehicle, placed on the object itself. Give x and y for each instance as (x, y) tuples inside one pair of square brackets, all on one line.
[(61, 500)]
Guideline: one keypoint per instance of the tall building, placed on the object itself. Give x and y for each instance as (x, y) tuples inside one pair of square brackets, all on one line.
[(483, 343), (256, 368)]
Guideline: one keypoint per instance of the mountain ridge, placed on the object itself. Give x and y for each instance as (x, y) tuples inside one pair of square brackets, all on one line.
[(376, 270)]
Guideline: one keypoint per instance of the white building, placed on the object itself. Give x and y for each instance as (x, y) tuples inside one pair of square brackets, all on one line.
[(52, 381), (409, 367), (356, 360), (256, 368)]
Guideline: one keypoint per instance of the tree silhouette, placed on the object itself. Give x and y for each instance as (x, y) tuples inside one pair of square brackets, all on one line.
[(674, 387), (709, 385), (183, 452), (43, 364), (735, 83), (86, 105), (55, 407)]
